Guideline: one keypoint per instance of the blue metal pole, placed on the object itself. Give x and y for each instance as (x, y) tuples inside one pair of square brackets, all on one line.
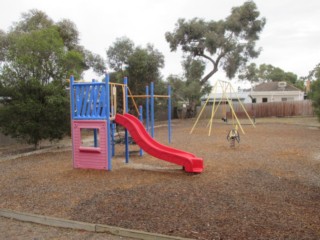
[(126, 136), (141, 120), (95, 131), (169, 113), (147, 110), (72, 98), (113, 127), (107, 98), (95, 137), (152, 109)]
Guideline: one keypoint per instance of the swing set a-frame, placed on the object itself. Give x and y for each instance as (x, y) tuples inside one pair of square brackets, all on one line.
[(226, 88)]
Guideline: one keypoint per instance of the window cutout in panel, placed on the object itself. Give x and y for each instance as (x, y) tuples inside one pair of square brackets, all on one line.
[(90, 137)]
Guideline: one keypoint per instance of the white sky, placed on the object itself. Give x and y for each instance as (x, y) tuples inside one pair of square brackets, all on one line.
[(290, 39)]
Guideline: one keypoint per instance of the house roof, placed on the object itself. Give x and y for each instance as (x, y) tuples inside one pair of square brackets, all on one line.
[(274, 86)]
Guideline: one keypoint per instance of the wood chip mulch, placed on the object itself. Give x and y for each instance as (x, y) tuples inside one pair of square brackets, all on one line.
[(267, 187)]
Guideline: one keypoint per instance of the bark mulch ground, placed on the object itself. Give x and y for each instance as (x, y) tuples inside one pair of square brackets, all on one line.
[(267, 187)]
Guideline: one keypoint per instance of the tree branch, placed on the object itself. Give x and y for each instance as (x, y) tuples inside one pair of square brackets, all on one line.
[(215, 67)]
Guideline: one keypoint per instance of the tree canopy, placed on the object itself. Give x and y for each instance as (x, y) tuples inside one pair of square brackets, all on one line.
[(144, 66), (140, 64), (314, 94), (34, 112), (193, 71), (188, 88), (53, 48), (267, 72), (227, 43), (118, 54), (36, 57)]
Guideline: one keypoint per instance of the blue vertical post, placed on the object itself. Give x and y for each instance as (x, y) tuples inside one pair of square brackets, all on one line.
[(141, 120), (72, 99), (113, 127), (152, 109), (125, 81), (95, 137), (169, 113), (107, 101), (147, 109), (95, 131)]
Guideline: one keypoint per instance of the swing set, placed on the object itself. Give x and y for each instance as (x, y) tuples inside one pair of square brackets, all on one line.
[(224, 101)]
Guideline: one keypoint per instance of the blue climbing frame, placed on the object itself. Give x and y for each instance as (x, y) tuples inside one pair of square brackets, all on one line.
[(91, 101)]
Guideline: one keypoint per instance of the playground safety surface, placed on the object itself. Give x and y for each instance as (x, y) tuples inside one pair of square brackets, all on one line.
[(267, 187)]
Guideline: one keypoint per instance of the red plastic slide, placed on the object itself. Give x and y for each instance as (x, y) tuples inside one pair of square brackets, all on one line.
[(190, 162)]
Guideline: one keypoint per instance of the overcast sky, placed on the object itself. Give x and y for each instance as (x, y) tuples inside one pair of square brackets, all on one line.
[(290, 39)]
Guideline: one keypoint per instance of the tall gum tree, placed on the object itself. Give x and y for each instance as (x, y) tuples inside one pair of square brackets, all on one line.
[(228, 43)]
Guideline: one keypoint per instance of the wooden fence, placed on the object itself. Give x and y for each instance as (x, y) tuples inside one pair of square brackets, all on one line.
[(259, 110), (283, 109)]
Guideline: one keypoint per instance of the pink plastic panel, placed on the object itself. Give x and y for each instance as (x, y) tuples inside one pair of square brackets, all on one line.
[(89, 157)]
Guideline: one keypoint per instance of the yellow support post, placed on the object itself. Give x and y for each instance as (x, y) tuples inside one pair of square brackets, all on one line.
[(233, 112), (216, 109), (204, 106), (244, 109), (213, 110), (134, 102)]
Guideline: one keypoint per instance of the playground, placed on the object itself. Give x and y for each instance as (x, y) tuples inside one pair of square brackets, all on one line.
[(266, 187)]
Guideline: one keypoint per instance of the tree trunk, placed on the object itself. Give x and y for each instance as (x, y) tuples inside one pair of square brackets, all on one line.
[(215, 67), (37, 145), (208, 76)]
